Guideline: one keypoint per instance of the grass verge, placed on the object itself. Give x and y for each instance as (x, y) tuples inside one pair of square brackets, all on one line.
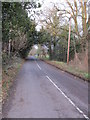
[(70, 69), (9, 73)]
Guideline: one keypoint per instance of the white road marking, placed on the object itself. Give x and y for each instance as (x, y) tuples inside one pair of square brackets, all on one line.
[(38, 66), (80, 111)]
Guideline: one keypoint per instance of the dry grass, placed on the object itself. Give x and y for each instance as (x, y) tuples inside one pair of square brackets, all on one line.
[(8, 75), (75, 70)]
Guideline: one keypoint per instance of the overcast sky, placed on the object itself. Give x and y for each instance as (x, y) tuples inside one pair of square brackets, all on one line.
[(48, 4)]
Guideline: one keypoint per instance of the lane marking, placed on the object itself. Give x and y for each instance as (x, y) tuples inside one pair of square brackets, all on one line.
[(80, 111), (38, 66)]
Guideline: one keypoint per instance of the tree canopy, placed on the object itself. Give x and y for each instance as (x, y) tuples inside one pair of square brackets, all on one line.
[(17, 28)]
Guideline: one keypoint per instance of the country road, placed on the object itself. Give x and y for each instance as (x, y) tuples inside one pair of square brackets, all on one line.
[(43, 91)]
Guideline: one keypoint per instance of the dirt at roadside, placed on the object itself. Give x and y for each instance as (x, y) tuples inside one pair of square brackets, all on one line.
[(8, 75), (69, 69)]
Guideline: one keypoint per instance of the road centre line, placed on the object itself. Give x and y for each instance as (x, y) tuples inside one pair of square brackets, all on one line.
[(80, 111), (38, 66)]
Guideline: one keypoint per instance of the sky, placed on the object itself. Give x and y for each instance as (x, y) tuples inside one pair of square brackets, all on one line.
[(48, 4), (45, 4)]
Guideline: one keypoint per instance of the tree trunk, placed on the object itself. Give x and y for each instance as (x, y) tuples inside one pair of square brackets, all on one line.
[(9, 48), (84, 17), (85, 27), (76, 25), (54, 48), (50, 50)]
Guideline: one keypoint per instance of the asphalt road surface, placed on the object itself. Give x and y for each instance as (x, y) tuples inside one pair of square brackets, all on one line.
[(43, 91)]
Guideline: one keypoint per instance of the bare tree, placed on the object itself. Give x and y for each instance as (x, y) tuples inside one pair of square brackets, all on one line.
[(84, 16)]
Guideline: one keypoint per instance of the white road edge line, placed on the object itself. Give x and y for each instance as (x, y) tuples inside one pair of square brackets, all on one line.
[(80, 111)]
